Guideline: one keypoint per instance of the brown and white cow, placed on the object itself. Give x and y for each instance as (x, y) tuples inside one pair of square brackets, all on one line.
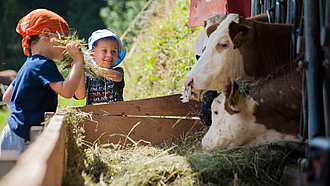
[(267, 111), (239, 47)]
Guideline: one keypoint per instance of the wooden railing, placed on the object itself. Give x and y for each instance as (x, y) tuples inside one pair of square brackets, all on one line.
[(43, 163)]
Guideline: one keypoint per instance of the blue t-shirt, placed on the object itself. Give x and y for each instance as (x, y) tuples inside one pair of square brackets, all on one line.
[(32, 96)]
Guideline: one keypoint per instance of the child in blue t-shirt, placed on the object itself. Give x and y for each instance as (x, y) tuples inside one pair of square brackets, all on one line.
[(34, 91), (107, 52)]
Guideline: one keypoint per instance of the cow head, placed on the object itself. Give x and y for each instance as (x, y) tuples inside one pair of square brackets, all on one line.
[(200, 42), (221, 58), (233, 122)]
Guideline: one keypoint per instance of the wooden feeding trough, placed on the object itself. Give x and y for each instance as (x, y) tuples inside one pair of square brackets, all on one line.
[(150, 121)]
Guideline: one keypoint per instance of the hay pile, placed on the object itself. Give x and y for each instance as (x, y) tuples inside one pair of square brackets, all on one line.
[(173, 163)]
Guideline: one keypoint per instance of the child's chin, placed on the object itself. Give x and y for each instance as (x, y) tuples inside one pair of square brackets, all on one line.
[(105, 66)]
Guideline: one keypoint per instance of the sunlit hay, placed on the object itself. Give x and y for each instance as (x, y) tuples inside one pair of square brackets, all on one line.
[(175, 162), (249, 166), (180, 163), (142, 165), (75, 160), (64, 65)]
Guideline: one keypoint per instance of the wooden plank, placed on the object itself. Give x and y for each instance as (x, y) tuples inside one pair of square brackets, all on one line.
[(158, 106), (43, 162), (109, 129)]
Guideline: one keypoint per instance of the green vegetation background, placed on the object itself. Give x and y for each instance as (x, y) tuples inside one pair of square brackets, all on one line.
[(162, 51)]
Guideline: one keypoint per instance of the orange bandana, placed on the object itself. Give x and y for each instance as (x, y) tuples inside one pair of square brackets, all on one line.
[(36, 21)]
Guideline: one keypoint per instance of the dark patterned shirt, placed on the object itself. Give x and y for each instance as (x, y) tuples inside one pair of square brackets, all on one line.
[(100, 89)]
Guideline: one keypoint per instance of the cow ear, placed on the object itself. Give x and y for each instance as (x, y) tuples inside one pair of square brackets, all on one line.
[(211, 29), (238, 34), (232, 91)]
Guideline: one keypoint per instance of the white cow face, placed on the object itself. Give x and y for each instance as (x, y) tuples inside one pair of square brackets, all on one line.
[(218, 62), (200, 42), (231, 130)]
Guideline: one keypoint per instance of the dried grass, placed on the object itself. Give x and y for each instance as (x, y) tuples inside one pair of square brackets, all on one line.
[(64, 65), (175, 162)]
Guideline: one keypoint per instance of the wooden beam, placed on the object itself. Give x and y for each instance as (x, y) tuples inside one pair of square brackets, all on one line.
[(43, 163), (158, 106)]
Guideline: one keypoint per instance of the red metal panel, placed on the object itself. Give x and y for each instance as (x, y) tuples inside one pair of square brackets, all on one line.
[(241, 7), (202, 9)]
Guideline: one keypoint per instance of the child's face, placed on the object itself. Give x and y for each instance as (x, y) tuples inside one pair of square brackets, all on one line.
[(58, 47), (106, 53)]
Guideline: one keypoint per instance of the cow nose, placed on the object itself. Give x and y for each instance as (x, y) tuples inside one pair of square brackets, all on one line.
[(197, 57), (206, 148), (188, 82)]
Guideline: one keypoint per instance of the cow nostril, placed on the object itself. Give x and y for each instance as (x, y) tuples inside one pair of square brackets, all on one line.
[(197, 57), (189, 81)]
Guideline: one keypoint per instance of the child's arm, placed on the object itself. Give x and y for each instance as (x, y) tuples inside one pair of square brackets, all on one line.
[(68, 87), (110, 74), (7, 95), (80, 92)]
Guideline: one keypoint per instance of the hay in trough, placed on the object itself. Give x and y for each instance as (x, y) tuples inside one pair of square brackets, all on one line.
[(178, 162)]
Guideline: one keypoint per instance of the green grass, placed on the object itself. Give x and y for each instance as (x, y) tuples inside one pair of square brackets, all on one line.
[(73, 102), (5, 112), (3, 115), (164, 53)]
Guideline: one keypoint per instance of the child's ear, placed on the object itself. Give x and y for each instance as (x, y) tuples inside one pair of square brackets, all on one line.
[(45, 33)]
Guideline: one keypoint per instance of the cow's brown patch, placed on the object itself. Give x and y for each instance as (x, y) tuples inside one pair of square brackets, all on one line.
[(281, 95), (264, 46)]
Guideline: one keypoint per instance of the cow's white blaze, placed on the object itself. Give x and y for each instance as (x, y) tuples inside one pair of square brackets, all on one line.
[(219, 60), (239, 129), (201, 40)]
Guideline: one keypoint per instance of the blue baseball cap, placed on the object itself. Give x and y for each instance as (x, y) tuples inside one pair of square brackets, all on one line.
[(99, 34)]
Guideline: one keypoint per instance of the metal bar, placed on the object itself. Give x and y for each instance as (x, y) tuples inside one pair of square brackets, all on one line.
[(265, 5), (314, 70), (283, 11), (254, 7), (326, 79), (326, 94), (293, 16)]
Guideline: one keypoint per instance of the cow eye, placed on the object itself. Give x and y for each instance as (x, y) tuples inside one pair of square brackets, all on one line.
[(203, 49), (216, 112), (223, 45)]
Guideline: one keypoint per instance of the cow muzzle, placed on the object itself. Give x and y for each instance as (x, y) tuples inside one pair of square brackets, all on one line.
[(189, 94)]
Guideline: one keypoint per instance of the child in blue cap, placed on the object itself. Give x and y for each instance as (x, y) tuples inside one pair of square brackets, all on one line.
[(107, 52)]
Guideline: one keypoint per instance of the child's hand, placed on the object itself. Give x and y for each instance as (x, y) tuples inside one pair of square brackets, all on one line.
[(74, 51)]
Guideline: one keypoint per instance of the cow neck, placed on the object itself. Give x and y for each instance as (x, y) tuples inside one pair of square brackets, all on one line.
[(268, 50), (279, 99)]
